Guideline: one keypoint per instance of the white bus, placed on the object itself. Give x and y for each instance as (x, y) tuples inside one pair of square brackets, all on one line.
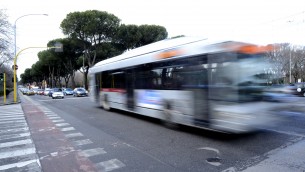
[(216, 85)]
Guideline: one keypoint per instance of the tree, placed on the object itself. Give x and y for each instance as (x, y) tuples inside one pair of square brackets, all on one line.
[(133, 36), (92, 27), (69, 57), (5, 39), (151, 33)]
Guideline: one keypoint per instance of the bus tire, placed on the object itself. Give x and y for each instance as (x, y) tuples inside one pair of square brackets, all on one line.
[(105, 103), (168, 116)]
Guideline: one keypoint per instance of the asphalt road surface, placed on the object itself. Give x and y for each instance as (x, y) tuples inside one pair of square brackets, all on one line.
[(120, 141)]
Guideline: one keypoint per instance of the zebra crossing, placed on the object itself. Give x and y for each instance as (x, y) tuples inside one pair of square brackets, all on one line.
[(78, 140), (17, 150)]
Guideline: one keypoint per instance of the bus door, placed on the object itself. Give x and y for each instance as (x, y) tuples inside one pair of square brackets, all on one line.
[(223, 72), (196, 81), (130, 97), (97, 86)]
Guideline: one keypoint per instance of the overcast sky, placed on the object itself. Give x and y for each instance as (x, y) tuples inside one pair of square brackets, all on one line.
[(257, 21)]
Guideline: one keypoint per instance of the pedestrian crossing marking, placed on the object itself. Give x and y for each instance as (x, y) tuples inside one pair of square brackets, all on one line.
[(82, 142), (15, 143), (19, 152), (92, 152), (74, 135), (19, 164), (110, 165), (67, 129)]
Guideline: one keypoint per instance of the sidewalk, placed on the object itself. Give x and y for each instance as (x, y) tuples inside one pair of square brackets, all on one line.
[(290, 159)]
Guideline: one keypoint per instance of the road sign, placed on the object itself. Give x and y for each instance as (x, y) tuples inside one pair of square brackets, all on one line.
[(16, 67)]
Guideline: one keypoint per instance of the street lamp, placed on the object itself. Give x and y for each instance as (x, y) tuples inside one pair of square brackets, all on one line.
[(15, 28), (15, 54), (58, 47)]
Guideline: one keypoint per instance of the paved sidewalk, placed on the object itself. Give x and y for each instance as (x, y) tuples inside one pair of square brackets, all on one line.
[(290, 159)]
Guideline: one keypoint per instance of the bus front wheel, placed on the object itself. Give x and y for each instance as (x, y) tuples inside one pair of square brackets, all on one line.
[(168, 116), (105, 103)]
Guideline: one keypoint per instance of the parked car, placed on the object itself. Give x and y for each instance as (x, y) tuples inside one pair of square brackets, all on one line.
[(57, 93), (68, 91), (80, 92)]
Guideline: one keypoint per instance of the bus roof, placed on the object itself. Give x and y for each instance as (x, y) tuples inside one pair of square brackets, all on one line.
[(163, 50)]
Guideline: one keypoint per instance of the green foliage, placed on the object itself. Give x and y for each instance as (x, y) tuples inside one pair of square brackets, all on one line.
[(133, 36), (92, 36)]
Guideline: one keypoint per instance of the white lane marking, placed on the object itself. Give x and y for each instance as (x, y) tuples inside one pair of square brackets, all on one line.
[(67, 129), (15, 121), (11, 113), (211, 149), (15, 130), (15, 143), (10, 116), (217, 155), (58, 120), (82, 142), (12, 119), (74, 135), (110, 165), (51, 114), (92, 152), (33, 111), (19, 164), (14, 136), (15, 153), (62, 124), (13, 126), (54, 117)]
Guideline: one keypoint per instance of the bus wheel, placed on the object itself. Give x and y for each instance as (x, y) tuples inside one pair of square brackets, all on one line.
[(105, 103), (168, 116)]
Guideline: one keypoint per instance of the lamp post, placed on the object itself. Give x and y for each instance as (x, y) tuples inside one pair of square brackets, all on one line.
[(15, 51), (15, 28), (15, 63)]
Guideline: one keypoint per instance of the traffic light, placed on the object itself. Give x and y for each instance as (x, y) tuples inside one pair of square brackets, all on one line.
[(1, 76)]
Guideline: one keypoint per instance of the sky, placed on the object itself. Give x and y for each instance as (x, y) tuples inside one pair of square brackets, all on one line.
[(255, 21)]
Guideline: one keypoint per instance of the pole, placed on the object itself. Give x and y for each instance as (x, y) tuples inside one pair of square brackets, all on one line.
[(15, 28), (15, 62), (4, 88), (290, 67), (84, 71)]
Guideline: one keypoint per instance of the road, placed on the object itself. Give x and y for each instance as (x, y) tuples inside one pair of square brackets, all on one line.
[(120, 141)]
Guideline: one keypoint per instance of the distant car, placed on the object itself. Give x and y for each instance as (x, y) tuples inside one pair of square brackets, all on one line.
[(80, 92), (51, 92), (57, 93), (30, 92), (40, 92), (68, 91), (46, 91), (300, 87)]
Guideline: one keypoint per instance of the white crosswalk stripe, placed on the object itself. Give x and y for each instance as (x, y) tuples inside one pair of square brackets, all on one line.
[(17, 150), (78, 140)]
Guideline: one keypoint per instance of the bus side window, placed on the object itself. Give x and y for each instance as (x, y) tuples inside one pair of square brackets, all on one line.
[(118, 80), (106, 80)]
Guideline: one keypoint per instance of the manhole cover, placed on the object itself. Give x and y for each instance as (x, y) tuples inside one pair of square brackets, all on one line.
[(214, 161)]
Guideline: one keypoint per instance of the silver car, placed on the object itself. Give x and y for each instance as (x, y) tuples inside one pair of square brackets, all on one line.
[(58, 93)]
